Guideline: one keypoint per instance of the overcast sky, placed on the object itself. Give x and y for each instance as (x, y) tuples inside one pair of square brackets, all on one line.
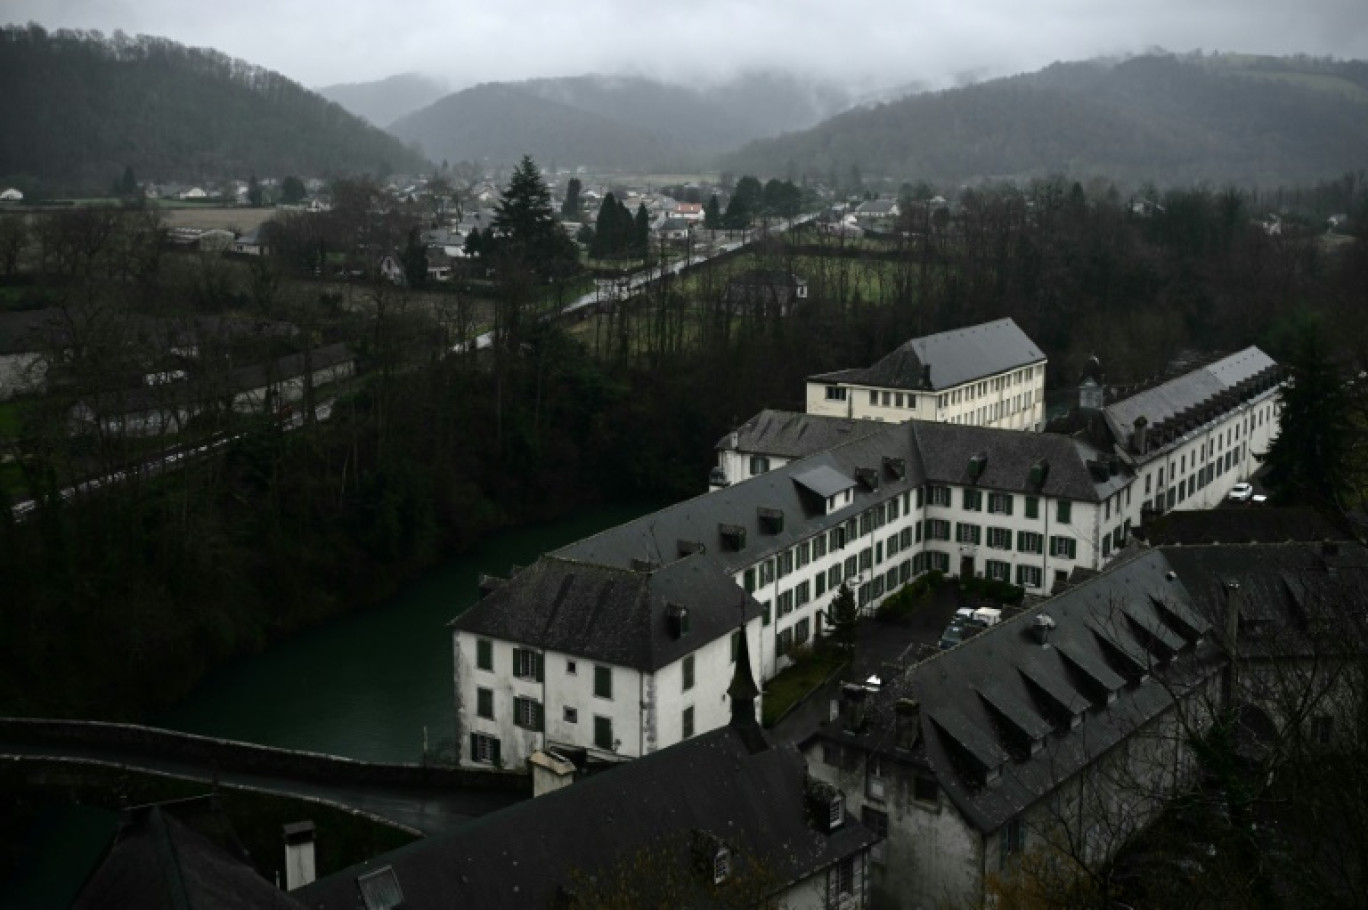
[(871, 43)]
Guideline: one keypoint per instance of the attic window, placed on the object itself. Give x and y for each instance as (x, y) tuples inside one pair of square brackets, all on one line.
[(380, 889), (644, 565), (678, 618), (835, 813), (1040, 472), (690, 547), (771, 520), (977, 464), (868, 477), (896, 467), (733, 537)]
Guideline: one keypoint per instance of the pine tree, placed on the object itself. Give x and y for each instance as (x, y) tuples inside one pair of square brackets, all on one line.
[(526, 226), (641, 234), (570, 208), (712, 214)]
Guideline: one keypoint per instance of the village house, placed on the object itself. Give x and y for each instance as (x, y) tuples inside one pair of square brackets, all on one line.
[(1064, 729), (764, 292), (25, 339), (988, 375)]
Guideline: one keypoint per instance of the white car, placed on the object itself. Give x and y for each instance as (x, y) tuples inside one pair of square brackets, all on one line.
[(1241, 492)]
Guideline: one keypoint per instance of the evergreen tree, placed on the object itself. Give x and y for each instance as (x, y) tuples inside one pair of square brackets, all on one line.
[(844, 617), (712, 214), (415, 260), (570, 208), (526, 226), (1309, 461), (128, 184), (254, 194), (292, 190), (605, 229)]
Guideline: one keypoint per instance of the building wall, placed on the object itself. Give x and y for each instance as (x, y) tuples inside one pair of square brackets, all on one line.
[(1012, 400), (646, 710)]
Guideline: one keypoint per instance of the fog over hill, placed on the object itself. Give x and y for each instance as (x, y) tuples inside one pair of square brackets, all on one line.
[(383, 102)]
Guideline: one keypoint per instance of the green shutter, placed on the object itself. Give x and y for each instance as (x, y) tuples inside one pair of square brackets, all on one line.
[(541, 666), (1007, 503)]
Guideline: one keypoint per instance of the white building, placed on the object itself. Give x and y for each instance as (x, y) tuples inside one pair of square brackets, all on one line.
[(988, 375), (620, 643)]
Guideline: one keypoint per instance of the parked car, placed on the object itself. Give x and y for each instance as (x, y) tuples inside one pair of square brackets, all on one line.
[(1241, 492), (957, 632)]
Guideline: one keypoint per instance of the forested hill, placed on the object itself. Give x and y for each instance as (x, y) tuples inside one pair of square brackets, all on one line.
[(78, 108), (616, 121), (1162, 118), (386, 100)]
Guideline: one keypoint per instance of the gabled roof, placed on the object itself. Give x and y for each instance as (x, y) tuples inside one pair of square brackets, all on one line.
[(947, 448), (158, 861), (533, 853), (1189, 391), (610, 614), (1004, 719), (1256, 524), (955, 357), (793, 434)]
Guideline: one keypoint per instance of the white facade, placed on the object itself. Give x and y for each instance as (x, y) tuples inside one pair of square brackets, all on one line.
[(1012, 400), (556, 699)]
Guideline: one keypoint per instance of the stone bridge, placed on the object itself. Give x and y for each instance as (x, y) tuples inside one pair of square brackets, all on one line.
[(424, 798)]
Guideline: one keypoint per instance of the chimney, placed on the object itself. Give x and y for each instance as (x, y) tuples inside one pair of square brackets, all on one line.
[(1041, 626), (299, 855), (907, 716), (1140, 436), (853, 707)]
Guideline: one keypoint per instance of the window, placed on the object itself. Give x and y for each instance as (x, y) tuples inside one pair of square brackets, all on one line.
[(874, 777), (749, 583), (873, 397), (721, 865), (842, 880), (1012, 842), (835, 393), (784, 643), (765, 613), (1030, 542), (1066, 547), (973, 500), (784, 603), (819, 546), (997, 570), (1064, 510), (484, 703), (938, 496), (852, 566), (484, 749), (820, 583), (570, 668), (571, 715), (688, 672), (687, 723), (804, 553), (801, 632), (866, 559), (527, 664), (527, 713), (759, 464), (801, 594), (833, 577), (925, 789), (603, 682), (1028, 576), (1032, 506), (1000, 538), (937, 529), (484, 654), (603, 733), (876, 822), (1000, 503), (967, 533)]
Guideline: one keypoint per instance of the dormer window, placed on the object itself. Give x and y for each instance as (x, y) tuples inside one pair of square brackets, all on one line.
[(835, 813)]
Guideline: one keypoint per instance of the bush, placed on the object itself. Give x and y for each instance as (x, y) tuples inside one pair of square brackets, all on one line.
[(1002, 592), (911, 595)]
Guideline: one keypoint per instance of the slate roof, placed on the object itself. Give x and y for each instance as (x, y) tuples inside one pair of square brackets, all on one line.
[(1188, 391), (982, 702), (793, 434), (613, 615), (955, 357), (158, 861), (523, 856), (946, 448), (1251, 524), (1294, 599)]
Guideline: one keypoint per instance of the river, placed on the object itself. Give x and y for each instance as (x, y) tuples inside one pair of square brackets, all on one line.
[(365, 686)]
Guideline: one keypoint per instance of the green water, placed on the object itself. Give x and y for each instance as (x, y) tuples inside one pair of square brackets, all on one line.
[(365, 686)]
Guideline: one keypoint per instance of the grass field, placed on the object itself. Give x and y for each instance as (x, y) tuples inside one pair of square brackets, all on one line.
[(198, 216)]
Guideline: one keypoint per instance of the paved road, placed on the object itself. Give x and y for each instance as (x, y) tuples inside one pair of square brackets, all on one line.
[(431, 810)]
